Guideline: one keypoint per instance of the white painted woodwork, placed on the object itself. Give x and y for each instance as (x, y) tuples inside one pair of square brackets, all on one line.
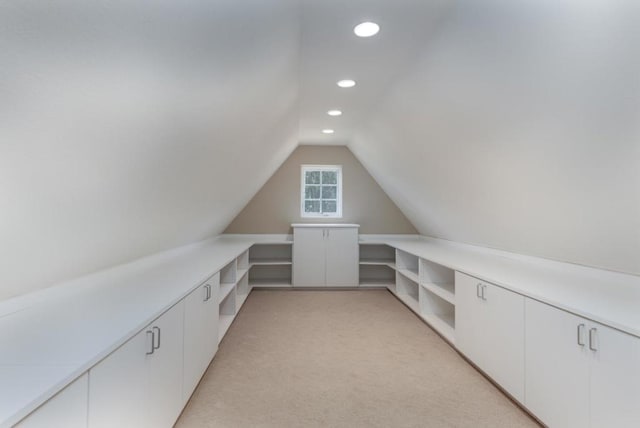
[(134, 388), (325, 255), (596, 384), (557, 367), (66, 409), (342, 257), (490, 331), (200, 333), (309, 253), (615, 379)]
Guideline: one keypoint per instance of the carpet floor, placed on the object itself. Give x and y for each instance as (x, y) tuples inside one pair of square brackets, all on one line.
[(341, 359)]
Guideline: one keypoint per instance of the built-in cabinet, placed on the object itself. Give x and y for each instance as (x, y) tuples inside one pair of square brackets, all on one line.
[(200, 333), (325, 255), (580, 373), (140, 384), (270, 264), (66, 409), (490, 331)]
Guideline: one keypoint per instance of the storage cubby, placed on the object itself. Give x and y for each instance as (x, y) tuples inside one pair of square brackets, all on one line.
[(407, 264), (438, 280), (270, 276), (242, 263), (270, 265), (437, 297), (242, 291), (377, 254), (377, 276), (270, 254), (407, 291), (439, 313), (228, 273), (227, 311)]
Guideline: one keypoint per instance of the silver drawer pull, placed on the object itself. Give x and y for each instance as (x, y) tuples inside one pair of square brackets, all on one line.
[(154, 335), (581, 334), (149, 332), (592, 339), (478, 292)]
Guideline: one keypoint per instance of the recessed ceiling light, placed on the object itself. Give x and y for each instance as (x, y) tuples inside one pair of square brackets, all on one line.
[(334, 113), (327, 131), (366, 29), (347, 83)]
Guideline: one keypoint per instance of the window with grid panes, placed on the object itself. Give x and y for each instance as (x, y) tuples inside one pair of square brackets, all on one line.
[(321, 191)]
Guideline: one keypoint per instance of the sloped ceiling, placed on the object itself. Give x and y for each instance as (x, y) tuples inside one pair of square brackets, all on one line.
[(129, 127)]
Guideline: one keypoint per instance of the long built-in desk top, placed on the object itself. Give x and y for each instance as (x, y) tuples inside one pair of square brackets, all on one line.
[(51, 337)]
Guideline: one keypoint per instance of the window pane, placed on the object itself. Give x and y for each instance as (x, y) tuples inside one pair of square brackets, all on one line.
[(328, 206), (312, 206), (312, 177), (312, 192), (329, 177), (329, 192)]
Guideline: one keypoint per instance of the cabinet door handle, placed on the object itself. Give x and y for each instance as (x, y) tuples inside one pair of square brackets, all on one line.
[(592, 339), (484, 288), (208, 287), (328, 232), (206, 293), (154, 336), (581, 334), (149, 332), (478, 292)]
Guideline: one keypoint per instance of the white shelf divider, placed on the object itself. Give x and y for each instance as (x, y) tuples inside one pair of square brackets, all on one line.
[(444, 291)]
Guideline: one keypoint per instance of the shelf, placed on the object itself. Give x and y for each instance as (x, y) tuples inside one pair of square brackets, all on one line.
[(275, 283), (224, 322), (410, 301), (270, 262), (241, 273), (376, 282), (378, 262), (443, 324), (410, 274), (225, 289), (444, 291)]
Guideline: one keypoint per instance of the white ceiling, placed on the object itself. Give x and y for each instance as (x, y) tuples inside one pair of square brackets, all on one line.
[(130, 127), (330, 51)]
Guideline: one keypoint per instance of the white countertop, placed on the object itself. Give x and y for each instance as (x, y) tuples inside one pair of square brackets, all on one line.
[(607, 297), (50, 338)]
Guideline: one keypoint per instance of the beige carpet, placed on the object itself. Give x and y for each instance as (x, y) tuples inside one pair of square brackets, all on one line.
[(341, 359)]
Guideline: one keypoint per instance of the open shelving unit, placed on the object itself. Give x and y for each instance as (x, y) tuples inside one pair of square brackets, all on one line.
[(234, 290), (377, 266), (438, 297), (270, 265)]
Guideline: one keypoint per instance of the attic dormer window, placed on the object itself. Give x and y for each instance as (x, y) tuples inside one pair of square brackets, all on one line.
[(321, 191)]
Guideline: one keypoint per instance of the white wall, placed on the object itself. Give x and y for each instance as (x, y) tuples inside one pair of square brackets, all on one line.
[(129, 127), (519, 129)]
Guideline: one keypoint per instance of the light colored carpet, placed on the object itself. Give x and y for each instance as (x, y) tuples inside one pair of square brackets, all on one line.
[(341, 359)]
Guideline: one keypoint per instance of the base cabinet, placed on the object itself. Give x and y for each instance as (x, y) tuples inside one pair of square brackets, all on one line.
[(67, 409), (580, 373), (200, 333), (140, 384), (490, 331), (325, 256)]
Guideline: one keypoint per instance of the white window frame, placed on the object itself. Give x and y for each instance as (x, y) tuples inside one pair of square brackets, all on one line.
[(306, 168)]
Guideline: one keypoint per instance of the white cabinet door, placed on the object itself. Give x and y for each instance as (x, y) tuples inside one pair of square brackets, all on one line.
[(557, 366), (137, 385), (166, 369), (67, 409), (118, 386), (467, 315), (615, 378), (341, 257), (490, 331), (501, 339), (200, 333), (308, 257)]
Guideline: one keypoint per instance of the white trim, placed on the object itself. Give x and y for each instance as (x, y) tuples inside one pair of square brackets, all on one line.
[(303, 170)]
